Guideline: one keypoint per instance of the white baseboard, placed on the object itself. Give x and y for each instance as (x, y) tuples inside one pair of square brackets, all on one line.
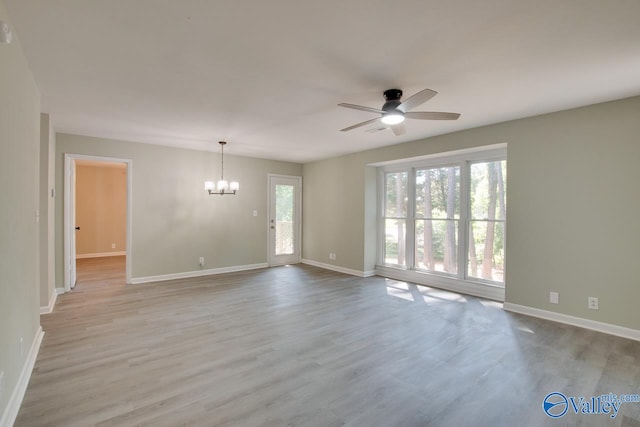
[(15, 401), (100, 255), (52, 302), (491, 292), (197, 273), (620, 331), (60, 290), (339, 269)]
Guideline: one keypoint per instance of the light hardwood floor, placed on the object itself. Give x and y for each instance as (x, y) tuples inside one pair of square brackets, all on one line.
[(302, 346)]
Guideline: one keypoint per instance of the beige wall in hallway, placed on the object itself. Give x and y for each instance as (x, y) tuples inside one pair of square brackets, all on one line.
[(101, 208)]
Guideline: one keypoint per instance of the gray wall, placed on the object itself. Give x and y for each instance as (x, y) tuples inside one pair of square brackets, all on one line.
[(174, 220), (19, 162), (572, 202)]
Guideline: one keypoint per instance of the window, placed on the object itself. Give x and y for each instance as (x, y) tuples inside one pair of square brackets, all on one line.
[(395, 218), (437, 219), (487, 220), (446, 216)]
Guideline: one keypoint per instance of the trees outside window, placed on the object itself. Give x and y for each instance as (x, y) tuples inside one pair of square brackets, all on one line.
[(284, 219), (447, 218), (487, 220), (437, 216)]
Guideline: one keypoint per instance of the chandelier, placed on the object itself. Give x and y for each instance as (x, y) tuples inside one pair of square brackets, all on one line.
[(223, 186)]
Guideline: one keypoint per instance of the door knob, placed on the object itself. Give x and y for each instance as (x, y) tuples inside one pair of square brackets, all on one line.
[(77, 228)]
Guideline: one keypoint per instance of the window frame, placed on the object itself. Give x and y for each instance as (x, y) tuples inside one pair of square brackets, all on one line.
[(470, 219), (383, 217), (415, 168), (462, 159)]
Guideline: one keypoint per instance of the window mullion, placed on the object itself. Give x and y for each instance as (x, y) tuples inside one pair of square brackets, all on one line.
[(411, 224), (382, 185), (463, 230)]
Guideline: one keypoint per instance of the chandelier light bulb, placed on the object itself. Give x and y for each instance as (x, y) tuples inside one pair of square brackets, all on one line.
[(223, 184)]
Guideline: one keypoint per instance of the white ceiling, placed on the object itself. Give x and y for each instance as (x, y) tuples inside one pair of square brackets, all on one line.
[(266, 75)]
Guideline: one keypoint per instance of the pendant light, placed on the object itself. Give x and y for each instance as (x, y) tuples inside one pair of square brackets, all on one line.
[(223, 186)]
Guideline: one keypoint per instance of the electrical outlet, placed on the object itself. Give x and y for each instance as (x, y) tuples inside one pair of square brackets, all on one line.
[(592, 303), (332, 256), (201, 261), (21, 345), (255, 213), (113, 246), (553, 297)]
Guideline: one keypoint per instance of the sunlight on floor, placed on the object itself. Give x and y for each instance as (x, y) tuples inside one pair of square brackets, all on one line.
[(411, 292), (492, 304), (441, 295), (525, 329), (399, 293)]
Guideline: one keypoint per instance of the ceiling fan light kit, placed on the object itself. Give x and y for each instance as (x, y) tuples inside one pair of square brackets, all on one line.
[(394, 112), (392, 118)]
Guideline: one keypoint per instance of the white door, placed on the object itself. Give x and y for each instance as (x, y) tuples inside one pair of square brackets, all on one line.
[(72, 212), (70, 222), (285, 215), (70, 225)]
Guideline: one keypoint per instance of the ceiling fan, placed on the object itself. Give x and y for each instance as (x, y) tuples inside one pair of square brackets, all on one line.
[(394, 111)]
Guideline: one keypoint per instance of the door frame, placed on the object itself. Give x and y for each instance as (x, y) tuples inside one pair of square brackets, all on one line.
[(70, 208), (297, 214)]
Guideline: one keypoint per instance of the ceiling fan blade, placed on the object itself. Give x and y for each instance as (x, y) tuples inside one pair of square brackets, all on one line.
[(360, 124), (360, 107), (398, 129), (417, 99), (432, 115)]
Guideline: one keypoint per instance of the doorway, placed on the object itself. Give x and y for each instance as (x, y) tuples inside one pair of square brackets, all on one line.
[(285, 219), (101, 181)]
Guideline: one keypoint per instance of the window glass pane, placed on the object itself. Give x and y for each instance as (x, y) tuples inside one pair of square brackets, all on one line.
[(486, 250), (437, 245), (284, 219), (396, 195), (438, 192), (395, 241), (488, 190)]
